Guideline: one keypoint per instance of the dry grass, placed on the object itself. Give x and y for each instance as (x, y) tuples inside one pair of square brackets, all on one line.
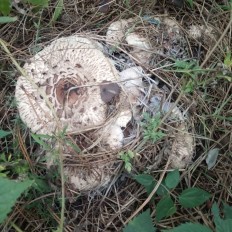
[(209, 107)]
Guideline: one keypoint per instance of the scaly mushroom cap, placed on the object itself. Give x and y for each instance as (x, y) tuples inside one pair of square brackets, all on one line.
[(117, 30), (87, 180), (61, 86), (182, 148), (205, 33)]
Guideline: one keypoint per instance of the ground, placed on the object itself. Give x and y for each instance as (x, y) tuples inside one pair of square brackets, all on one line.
[(206, 93)]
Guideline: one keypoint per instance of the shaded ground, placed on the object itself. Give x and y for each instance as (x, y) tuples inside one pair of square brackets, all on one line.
[(208, 104)]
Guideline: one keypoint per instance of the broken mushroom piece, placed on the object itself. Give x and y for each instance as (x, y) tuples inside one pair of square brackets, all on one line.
[(122, 30), (204, 33), (62, 86), (181, 150), (80, 172), (167, 38), (132, 83), (85, 180)]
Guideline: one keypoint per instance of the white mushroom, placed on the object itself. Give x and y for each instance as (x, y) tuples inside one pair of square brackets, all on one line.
[(123, 30), (117, 30), (131, 79), (167, 35), (85, 180), (63, 86), (202, 32)]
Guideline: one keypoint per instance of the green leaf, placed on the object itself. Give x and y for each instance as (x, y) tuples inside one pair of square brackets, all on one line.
[(5, 7), (193, 197), (172, 179), (217, 219), (9, 192), (211, 158), (147, 181), (3, 133), (228, 60), (221, 225), (165, 208), (57, 12), (41, 3), (190, 2), (144, 179), (189, 227), (162, 190), (225, 226), (142, 223), (227, 210)]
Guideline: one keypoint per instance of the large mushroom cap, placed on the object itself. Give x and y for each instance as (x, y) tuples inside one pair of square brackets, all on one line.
[(60, 88)]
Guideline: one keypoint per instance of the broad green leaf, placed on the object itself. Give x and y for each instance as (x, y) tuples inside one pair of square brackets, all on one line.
[(9, 192), (3, 133), (41, 3), (211, 158), (193, 197), (144, 179), (190, 227), (162, 190), (6, 19), (165, 208), (147, 181), (221, 225), (142, 223), (227, 210), (226, 226), (172, 179), (57, 12), (5, 7), (216, 216)]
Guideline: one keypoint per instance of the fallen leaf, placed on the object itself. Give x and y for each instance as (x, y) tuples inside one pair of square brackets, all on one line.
[(211, 158)]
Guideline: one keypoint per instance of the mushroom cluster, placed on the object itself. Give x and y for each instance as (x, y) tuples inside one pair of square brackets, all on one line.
[(73, 86), (141, 48)]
